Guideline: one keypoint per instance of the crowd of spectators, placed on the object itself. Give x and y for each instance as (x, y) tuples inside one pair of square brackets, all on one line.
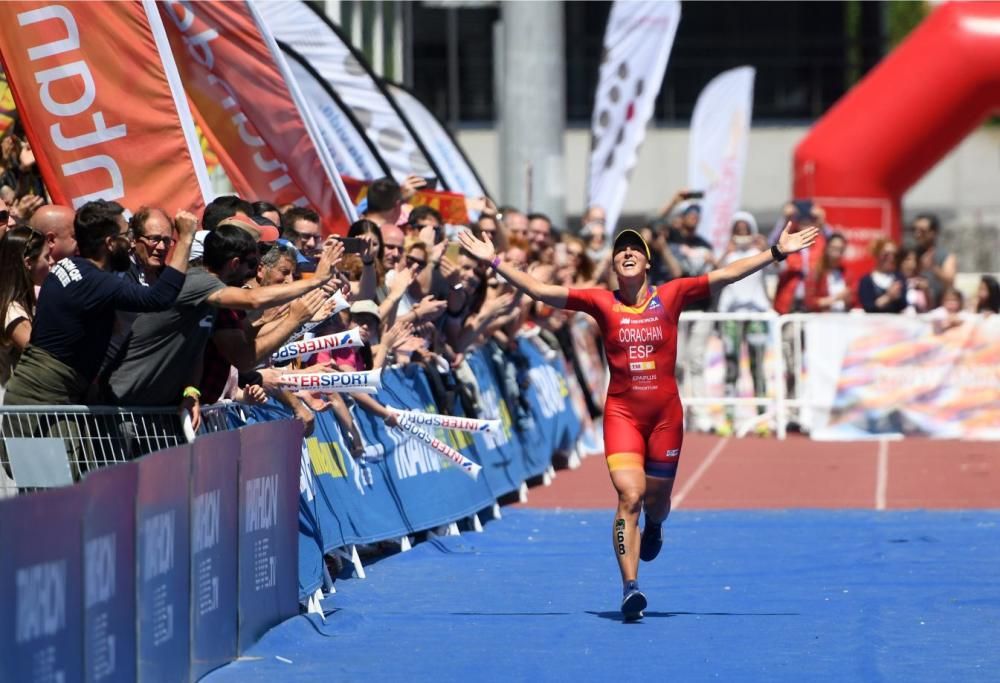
[(108, 306)]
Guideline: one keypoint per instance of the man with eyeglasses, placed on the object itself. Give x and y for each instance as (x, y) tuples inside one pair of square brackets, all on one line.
[(152, 234), (300, 226)]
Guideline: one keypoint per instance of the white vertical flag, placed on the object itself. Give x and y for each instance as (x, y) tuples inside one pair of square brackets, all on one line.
[(717, 157), (459, 176), (309, 33), (637, 44)]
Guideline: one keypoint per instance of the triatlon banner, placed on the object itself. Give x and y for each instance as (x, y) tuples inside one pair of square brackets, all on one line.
[(717, 155), (102, 105), (637, 44), (251, 110)]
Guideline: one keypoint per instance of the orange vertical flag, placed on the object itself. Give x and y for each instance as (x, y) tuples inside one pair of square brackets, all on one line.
[(249, 108), (102, 104)]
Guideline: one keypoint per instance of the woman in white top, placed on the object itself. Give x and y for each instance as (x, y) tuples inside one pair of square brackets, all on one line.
[(24, 265), (747, 295)]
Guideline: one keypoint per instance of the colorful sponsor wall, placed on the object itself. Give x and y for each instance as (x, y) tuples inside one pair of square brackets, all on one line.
[(895, 375)]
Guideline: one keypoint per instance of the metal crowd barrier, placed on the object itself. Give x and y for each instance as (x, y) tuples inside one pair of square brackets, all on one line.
[(46, 446)]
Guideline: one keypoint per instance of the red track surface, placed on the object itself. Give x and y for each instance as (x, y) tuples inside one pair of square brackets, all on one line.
[(757, 473)]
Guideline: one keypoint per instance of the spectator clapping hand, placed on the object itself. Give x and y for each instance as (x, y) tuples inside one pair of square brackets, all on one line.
[(403, 279), (308, 306), (325, 310), (186, 223), (333, 252), (24, 207), (480, 249), (430, 308), (410, 186), (397, 335)]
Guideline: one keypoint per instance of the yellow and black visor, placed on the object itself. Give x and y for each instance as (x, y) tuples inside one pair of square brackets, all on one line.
[(630, 238)]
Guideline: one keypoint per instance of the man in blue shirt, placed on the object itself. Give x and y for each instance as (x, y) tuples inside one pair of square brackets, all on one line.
[(76, 307)]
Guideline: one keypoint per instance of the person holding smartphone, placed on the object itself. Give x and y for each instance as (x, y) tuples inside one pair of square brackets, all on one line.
[(643, 419)]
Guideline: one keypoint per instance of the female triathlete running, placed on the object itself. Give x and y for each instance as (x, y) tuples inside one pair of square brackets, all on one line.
[(643, 417)]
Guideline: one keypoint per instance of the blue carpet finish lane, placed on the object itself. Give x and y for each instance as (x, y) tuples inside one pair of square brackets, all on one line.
[(776, 596)]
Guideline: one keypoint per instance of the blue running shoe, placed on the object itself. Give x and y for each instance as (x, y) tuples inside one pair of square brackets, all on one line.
[(633, 602), (652, 541)]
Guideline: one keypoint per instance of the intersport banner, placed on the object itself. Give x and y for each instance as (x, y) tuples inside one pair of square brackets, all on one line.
[(717, 153), (313, 37), (637, 44), (871, 376), (251, 110), (457, 173), (102, 104)]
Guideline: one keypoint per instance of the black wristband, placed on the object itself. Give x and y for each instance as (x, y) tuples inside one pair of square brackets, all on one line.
[(777, 254)]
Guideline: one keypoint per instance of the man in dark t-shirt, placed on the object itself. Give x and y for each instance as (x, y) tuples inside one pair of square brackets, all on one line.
[(77, 303)]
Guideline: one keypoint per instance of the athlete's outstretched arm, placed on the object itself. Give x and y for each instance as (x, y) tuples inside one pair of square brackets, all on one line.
[(788, 243), (553, 295)]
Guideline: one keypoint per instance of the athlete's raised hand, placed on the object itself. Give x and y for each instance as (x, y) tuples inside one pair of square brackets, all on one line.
[(791, 242), (482, 250)]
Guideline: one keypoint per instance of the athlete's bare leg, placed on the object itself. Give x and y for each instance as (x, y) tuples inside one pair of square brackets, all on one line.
[(656, 502), (631, 487)]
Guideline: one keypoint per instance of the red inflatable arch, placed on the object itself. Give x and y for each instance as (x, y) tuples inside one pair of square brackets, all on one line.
[(900, 120)]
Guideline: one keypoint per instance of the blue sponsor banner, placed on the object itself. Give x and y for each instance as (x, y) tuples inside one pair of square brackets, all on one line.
[(214, 556), (268, 521), (41, 587), (547, 374), (330, 486), (504, 468), (109, 637), (163, 549), (334, 503), (551, 408), (431, 488)]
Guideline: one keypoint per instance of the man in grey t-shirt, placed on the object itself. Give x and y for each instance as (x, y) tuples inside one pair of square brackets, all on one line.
[(163, 353)]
